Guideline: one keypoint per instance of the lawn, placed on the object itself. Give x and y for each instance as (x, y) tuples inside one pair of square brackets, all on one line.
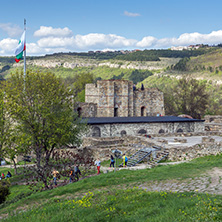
[(115, 196)]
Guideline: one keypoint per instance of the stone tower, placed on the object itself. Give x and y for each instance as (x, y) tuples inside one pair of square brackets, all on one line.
[(114, 98)]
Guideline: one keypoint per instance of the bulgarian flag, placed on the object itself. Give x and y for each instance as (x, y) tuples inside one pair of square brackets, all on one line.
[(20, 48)]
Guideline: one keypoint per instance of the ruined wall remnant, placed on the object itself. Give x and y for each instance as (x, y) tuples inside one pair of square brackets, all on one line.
[(213, 123), (86, 109), (102, 147), (149, 101), (117, 98)]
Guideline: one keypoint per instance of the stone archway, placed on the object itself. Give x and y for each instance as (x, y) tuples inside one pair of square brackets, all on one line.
[(96, 132), (123, 133), (142, 131), (161, 131), (179, 130)]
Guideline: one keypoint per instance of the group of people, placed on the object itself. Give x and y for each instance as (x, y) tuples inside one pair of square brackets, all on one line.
[(112, 160), (8, 175), (73, 173)]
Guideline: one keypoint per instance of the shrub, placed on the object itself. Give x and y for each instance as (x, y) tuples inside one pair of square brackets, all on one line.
[(4, 190)]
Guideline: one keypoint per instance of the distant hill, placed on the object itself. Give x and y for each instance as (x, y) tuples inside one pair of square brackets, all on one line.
[(118, 64)]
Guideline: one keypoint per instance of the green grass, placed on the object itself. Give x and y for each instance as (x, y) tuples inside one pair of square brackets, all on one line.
[(67, 203), (107, 163), (127, 205)]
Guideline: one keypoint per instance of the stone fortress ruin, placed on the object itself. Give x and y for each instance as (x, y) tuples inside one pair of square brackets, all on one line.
[(117, 108), (120, 116)]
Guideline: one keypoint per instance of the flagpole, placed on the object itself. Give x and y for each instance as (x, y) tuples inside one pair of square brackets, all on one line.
[(25, 51)]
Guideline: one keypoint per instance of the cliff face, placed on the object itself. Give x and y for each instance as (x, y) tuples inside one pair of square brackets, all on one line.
[(78, 62)]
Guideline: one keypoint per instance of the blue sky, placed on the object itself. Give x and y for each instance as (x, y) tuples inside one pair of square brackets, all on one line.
[(83, 25)]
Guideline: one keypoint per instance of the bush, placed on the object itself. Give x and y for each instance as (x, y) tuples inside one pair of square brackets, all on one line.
[(4, 190)]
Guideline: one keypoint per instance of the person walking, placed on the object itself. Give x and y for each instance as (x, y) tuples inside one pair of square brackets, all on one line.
[(71, 175), (77, 172), (125, 160), (112, 161), (98, 164), (8, 175), (55, 173)]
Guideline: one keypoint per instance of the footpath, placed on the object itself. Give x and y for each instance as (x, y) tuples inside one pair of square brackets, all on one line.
[(210, 182)]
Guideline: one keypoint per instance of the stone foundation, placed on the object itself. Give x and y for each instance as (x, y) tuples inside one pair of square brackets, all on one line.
[(102, 147)]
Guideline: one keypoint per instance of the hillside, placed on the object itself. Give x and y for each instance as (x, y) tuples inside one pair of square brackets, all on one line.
[(185, 192), (202, 62), (78, 69)]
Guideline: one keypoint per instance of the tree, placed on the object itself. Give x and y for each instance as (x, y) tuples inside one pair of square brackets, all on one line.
[(42, 108), (189, 96), (79, 85)]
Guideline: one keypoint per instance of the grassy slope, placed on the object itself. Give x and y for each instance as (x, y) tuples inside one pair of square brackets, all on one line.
[(213, 58), (114, 191)]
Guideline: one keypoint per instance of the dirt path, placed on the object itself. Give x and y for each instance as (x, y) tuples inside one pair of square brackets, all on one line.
[(210, 182)]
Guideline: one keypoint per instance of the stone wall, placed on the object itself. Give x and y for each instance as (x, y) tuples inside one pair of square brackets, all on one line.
[(112, 130), (91, 93), (117, 98), (213, 119), (213, 123), (198, 150), (151, 100), (102, 147), (86, 109)]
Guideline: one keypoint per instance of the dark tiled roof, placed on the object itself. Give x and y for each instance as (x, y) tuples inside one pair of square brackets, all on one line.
[(144, 119)]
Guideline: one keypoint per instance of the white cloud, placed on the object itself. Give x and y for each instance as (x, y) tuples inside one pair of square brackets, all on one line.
[(147, 42), (55, 42), (215, 37), (7, 46), (10, 29), (50, 31), (101, 41), (60, 40), (87, 42), (130, 14)]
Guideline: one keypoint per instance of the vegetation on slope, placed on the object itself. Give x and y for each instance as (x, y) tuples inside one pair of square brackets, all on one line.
[(210, 62), (116, 196)]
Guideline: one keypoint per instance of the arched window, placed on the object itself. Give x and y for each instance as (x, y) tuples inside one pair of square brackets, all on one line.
[(179, 130), (161, 131), (123, 133), (96, 132), (79, 110), (115, 112), (142, 131), (142, 110)]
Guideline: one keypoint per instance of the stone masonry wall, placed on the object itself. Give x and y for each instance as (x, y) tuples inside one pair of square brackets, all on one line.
[(110, 130), (198, 150), (213, 119), (151, 99), (102, 148), (86, 109), (118, 95), (91, 93)]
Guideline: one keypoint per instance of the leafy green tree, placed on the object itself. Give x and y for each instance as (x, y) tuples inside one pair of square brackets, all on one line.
[(42, 108), (139, 75), (79, 85), (188, 96)]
